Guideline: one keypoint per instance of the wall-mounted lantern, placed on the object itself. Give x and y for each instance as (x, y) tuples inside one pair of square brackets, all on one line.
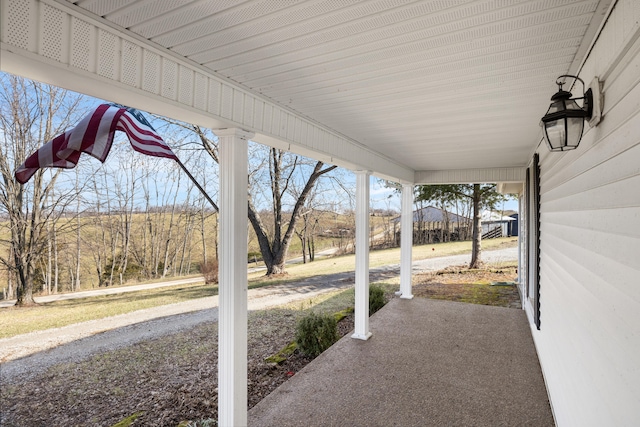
[(563, 124)]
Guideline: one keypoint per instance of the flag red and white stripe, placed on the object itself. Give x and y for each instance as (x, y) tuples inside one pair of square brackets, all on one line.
[(94, 136)]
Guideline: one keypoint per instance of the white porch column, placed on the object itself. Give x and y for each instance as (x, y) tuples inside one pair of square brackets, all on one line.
[(361, 312), (232, 314), (406, 241)]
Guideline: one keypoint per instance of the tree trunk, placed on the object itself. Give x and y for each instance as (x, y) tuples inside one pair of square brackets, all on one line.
[(78, 253), (276, 269), (262, 236), (186, 241), (303, 242), (165, 269), (476, 248), (203, 235), (312, 249), (24, 262), (24, 290), (56, 264), (49, 266), (9, 294), (25, 294), (76, 283), (311, 242)]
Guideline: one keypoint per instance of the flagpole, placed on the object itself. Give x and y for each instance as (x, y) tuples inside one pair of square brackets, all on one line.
[(204, 193)]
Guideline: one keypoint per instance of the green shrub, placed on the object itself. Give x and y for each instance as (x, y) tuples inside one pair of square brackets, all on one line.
[(315, 333), (376, 299)]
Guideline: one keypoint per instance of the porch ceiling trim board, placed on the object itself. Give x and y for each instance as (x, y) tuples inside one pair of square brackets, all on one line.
[(466, 176), (64, 45)]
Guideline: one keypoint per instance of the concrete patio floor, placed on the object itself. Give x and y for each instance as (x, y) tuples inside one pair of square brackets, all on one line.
[(428, 363)]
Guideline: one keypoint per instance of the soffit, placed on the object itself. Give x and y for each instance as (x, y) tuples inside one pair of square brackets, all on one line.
[(434, 85)]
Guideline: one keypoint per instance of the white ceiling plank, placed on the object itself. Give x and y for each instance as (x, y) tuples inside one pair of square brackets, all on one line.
[(396, 86)]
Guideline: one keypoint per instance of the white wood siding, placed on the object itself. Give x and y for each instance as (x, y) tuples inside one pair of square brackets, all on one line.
[(589, 342)]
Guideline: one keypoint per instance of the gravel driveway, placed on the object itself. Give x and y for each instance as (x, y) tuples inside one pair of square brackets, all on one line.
[(21, 354)]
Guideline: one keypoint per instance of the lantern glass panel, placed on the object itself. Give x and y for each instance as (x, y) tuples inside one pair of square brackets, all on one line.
[(575, 126), (555, 134)]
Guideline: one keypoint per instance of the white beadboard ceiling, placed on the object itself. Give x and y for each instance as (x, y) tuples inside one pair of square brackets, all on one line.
[(434, 85)]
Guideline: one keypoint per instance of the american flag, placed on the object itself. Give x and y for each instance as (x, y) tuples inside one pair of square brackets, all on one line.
[(94, 136)]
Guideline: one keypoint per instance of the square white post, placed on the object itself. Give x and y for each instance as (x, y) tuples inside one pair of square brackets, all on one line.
[(406, 241), (232, 288), (361, 312)]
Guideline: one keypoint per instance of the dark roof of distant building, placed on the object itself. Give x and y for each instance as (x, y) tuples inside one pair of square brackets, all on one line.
[(433, 214)]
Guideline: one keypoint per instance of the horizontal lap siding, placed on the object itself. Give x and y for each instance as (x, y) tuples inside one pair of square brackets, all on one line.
[(589, 343)]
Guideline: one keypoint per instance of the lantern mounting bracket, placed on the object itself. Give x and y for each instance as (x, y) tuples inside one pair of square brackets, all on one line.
[(587, 97)]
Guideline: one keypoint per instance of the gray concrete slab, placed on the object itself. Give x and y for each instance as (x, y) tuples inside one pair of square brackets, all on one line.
[(428, 363)]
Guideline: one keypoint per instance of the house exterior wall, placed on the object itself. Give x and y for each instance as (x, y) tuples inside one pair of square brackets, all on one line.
[(589, 337)]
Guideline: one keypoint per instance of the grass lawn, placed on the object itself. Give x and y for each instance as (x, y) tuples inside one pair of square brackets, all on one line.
[(16, 321), (382, 257)]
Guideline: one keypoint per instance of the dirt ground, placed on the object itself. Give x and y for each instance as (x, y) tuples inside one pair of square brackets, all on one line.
[(165, 381), (173, 379), (491, 285)]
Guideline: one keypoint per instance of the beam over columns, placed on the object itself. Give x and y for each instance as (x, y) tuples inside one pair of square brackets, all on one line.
[(232, 314), (362, 257), (406, 241)]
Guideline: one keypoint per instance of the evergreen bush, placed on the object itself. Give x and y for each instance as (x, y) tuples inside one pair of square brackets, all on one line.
[(376, 299), (315, 333)]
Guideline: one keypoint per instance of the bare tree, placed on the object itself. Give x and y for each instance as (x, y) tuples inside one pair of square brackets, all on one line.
[(309, 222), (31, 114), (283, 168), (274, 248)]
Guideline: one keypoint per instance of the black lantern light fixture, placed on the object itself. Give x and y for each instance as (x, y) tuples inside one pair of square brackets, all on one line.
[(563, 124)]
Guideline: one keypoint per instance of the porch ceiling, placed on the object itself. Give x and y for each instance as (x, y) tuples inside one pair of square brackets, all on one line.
[(433, 85)]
